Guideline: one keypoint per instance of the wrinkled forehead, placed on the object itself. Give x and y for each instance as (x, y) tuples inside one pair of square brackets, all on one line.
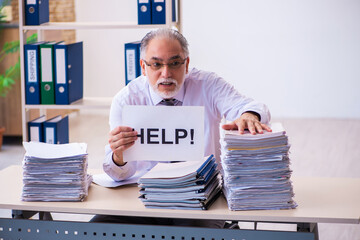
[(164, 49)]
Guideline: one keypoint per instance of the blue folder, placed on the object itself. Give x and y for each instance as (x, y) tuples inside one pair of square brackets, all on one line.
[(68, 72), (35, 129), (158, 11), (31, 65), (36, 12), (56, 130), (175, 10), (32, 73), (144, 11), (132, 61)]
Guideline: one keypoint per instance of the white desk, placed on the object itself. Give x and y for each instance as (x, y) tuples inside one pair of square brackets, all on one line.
[(320, 200)]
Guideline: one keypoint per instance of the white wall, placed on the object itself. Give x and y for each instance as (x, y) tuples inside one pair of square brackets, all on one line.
[(104, 69), (300, 57)]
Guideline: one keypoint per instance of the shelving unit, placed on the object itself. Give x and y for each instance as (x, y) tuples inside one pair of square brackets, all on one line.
[(86, 102), (92, 25)]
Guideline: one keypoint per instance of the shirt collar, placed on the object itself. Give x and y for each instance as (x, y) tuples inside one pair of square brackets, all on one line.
[(156, 99)]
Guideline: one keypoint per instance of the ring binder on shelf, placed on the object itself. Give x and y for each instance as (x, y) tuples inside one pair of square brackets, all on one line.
[(56, 130), (144, 12), (68, 72), (132, 61), (32, 75), (36, 12), (158, 11)]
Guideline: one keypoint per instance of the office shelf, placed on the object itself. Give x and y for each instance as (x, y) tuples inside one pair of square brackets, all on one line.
[(93, 25), (85, 103), (88, 103)]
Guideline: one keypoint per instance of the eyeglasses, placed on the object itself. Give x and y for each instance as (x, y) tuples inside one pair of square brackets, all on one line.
[(173, 64)]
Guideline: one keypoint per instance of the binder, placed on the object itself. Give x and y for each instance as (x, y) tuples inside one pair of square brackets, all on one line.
[(35, 129), (47, 93), (56, 130), (132, 61), (32, 75), (144, 11), (175, 10), (68, 68), (36, 12), (158, 11)]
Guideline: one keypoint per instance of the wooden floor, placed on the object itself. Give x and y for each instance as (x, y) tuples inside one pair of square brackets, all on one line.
[(319, 147)]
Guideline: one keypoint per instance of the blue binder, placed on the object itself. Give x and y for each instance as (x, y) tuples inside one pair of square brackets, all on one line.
[(36, 12), (132, 61), (32, 74), (56, 130), (144, 11), (158, 12), (35, 129), (68, 71), (175, 10)]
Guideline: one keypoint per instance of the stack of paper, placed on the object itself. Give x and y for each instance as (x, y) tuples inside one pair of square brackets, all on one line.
[(256, 170), (55, 172), (181, 185)]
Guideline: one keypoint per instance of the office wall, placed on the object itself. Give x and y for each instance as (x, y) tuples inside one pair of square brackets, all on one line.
[(301, 57)]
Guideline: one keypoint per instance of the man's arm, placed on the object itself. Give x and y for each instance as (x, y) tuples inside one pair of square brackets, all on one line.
[(117, 173), (120, 139), (244, 112)]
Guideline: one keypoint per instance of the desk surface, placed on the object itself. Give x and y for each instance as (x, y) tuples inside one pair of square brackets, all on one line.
[(320, 200)]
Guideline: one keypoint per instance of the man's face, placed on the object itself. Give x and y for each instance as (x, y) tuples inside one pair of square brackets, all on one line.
[(167, 79)]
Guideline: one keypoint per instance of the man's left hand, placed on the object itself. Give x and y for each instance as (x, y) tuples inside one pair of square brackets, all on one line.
[(247, 121)]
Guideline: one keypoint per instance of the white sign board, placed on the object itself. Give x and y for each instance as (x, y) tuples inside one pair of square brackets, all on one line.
[(165, 133)]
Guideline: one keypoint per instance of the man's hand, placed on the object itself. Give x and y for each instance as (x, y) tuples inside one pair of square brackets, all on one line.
[(120, 139), (247, 121)]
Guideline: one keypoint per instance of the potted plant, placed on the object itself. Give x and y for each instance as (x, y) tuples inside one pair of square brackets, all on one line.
[(9, 77)]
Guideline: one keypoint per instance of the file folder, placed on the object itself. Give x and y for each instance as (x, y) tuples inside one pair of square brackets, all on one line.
[(32, 75), (144, 11), (35, 129), (36, 12), (68, 67), (132, 61), (56, 130), (47, 93), (175, 10), (158, 11)]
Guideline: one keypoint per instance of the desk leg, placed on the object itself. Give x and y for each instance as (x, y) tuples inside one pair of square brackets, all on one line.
[(309, 227)]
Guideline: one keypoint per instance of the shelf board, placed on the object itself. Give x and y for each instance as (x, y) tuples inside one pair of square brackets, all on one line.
[(85, 103), (93, 25), (9, 25)]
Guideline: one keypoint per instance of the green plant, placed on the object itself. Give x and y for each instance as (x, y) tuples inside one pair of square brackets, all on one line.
[(12, 73)]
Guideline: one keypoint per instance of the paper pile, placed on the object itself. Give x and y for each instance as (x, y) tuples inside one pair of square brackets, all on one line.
[(55, 172), (181, 185), (256, 170)]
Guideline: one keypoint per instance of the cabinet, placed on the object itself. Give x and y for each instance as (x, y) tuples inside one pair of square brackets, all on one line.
[(87, 103)]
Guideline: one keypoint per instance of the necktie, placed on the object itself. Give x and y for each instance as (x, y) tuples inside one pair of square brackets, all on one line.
[(169, 102)]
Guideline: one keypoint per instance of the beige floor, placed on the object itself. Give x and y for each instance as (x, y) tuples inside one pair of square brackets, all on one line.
[(319, 147)]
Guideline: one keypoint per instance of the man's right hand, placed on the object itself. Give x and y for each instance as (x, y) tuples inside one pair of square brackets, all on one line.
[(120, 139)]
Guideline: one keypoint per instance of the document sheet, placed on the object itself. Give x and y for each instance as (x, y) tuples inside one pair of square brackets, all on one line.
[(256, 170), (55, 172), (181, 185)]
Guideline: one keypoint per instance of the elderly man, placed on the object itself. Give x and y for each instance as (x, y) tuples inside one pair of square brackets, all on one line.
[(167, 80)]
